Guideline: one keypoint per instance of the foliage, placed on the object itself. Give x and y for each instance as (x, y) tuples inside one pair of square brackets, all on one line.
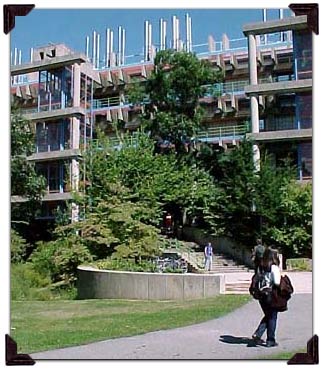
[(24, 180), (125, 265), (28, 284), (18, 247), (157, 182), (60, 258), (172, 112), (292, 232), (299, 264), (266, 204)]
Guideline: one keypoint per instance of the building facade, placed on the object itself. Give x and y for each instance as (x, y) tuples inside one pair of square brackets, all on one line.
[(266, 94)]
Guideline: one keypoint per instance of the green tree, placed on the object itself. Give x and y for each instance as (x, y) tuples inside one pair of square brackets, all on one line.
[(292, 231), (172, 112), (25, 182)]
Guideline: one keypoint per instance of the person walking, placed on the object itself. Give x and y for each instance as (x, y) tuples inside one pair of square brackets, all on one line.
[(208, 253), (257, 254), (270, 273)]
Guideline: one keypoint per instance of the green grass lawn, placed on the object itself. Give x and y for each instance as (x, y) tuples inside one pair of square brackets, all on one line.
[(283, 355), (41, 325)]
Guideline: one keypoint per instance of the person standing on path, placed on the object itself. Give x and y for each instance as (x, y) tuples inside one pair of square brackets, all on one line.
[(271, 273), (208, 254), (257, 254)]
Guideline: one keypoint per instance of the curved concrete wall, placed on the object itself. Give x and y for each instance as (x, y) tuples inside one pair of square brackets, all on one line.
[(94, 283)]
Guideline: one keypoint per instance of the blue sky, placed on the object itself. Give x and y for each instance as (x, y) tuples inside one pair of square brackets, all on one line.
[(71, 26)]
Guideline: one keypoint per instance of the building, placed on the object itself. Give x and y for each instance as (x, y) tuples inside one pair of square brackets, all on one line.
[(284, 125), (68, 95)]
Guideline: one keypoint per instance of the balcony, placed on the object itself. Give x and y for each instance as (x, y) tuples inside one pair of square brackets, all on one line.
[(218, 134)]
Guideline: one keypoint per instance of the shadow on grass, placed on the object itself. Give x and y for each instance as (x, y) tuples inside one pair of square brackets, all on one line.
[(230, 339)]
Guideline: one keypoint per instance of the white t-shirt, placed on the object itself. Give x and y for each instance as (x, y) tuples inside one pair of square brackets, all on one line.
[(275, 275)]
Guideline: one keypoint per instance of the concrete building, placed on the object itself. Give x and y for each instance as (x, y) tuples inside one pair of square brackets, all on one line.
[(284, 127), (266, 93)]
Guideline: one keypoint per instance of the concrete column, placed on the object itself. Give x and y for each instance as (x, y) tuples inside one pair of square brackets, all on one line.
[(76, 85), (75, 133), (254, 114), (252, 50), (75, 212), (75, 175), (256, 157)]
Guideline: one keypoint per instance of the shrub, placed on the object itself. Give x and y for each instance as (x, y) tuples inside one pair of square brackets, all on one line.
[(126, 265), (18, 247), (60, 258), (28, 284)]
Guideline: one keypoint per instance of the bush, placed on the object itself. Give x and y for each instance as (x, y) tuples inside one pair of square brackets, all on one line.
[(28, 284), (60, 258), (299, 264), (18, 247), (126, 265)]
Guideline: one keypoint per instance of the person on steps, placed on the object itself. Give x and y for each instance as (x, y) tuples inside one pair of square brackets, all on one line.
[(257, 254), (208, 253)]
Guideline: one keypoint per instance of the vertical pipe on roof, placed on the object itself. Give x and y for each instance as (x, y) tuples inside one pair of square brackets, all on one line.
[(98, 51), (174, 31), (119, 45), (264, 18), (123, 46), (165, 34), (87, 45), (187, 46), (19, 57), (10, 57), (281, 16), (31, 55), (112, 61), (161, 34), (15, 57), (145, 40), (94, 49), (107, 47), (177, 35), (150, 43)]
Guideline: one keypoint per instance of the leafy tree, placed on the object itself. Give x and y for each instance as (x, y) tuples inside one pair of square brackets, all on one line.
[(292, 232), (172, 111), (25, 182), (18, 247), (158, 182)]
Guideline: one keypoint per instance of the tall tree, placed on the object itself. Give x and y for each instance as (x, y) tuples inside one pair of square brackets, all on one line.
[(25, 182), (172, 113)]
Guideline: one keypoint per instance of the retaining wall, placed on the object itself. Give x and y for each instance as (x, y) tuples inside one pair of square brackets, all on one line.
[(93, 283)]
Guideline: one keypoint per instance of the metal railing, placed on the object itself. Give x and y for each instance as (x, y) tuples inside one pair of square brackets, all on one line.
[(219, 133)]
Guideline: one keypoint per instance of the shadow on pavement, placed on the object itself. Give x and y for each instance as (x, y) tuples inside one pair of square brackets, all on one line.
[(237, 340)]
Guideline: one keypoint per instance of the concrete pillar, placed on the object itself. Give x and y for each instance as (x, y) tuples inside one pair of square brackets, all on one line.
[(256, 157), (75, 175), (254, 114), (75, 132), (76, 85), (225, 42), (211, 43), (75, 212), (252, 50)]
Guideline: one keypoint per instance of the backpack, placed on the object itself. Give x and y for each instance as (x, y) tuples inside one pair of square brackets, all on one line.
[(260, 287), (276, 296), (281, 294)]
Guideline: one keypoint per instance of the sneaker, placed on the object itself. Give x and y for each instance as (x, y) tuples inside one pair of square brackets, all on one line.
[(271, 344), (257, 339)]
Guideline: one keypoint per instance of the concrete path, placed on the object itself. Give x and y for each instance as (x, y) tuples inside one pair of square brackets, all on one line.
[(224, 338)]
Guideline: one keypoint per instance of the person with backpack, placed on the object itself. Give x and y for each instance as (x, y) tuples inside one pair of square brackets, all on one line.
[(208, 253), (257, 254), (266, 278)]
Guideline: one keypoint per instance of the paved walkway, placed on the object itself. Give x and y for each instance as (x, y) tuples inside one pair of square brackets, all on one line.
[(224, 338)]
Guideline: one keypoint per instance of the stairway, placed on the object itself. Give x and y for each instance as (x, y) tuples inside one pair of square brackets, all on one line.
[(224, 265)]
